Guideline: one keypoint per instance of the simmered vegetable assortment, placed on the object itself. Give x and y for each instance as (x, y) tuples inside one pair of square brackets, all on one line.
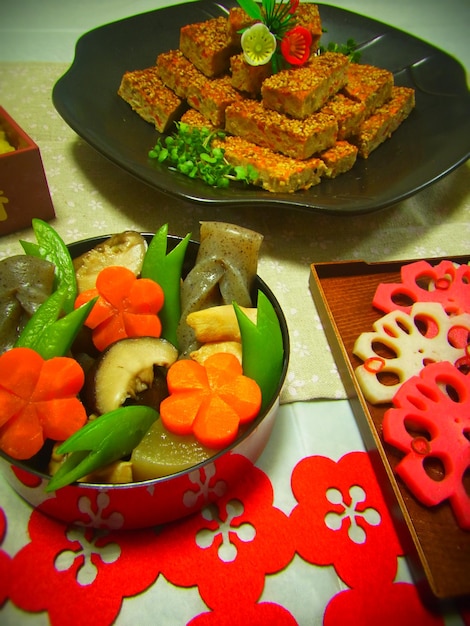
[(123, 312)]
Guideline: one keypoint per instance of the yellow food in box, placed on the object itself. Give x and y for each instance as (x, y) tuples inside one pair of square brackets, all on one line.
[(5, 145), (24, 192)]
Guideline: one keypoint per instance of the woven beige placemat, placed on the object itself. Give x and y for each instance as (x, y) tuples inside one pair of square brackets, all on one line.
[(92, 196)]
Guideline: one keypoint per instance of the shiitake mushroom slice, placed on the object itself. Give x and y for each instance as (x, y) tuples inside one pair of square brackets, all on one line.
[(125, 370), (126, 249)]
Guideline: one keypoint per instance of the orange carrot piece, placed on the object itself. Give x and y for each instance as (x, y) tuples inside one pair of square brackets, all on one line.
[(59, 375), (146, 296), (114, 284), (222, 367), (61, 417), (244, 395), (210, 400), (21, 437), (127, 306), (101, 310), (16, 368), (140, 325), (108, 332), (10, 404), (179, 411), (186, 375), (44, 401), (216, 424)]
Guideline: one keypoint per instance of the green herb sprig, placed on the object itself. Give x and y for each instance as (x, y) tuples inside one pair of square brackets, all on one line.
[(276, 15), (190, 150), (349, 49)]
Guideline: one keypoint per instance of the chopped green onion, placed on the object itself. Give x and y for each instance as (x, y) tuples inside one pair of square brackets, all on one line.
[(189, 150)]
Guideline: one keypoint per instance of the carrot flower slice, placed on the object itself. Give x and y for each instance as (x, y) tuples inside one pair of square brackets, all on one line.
[(210, 400), (127, 306), (38, 400)]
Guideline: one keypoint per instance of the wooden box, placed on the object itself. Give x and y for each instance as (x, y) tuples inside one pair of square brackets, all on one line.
[(439, 549), (24, 192)]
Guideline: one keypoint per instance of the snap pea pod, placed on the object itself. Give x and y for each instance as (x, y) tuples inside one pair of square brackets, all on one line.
[(101, 441), (50, 246), (165, 269), (31, 248), (47, 313), (262, 347), (50, 336), (58, 337)]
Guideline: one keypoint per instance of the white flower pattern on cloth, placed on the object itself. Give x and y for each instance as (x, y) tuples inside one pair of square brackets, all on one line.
[(87, 572), (92, 196), (334, 520)]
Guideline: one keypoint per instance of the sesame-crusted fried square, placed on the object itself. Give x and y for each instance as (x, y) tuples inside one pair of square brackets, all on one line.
[(349, 114), (206, 45), (211, 97), (339, 159), (150, 98), (368, 84), (177, 72), (301, 91), (276, 173), (248, 78), (193, 118), (384, 121), (238, 19), (299, 139)]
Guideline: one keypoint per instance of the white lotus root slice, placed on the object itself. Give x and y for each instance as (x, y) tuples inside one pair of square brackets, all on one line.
[(410, 348)]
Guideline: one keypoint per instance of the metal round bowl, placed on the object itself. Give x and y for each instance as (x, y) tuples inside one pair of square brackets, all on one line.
[(157, 501)]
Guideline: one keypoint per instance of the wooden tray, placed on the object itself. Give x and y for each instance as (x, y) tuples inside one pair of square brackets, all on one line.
[(343, 295)]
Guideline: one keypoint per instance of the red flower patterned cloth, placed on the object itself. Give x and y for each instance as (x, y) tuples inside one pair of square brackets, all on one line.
[(227, 552)]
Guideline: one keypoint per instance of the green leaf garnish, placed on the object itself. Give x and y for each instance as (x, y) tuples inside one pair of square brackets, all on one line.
[(251, 7)]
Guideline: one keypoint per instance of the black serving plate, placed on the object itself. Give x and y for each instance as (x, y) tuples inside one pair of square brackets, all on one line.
[(433, 141)]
